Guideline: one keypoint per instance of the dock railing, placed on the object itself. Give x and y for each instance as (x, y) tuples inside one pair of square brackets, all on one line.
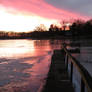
[(85, 77)]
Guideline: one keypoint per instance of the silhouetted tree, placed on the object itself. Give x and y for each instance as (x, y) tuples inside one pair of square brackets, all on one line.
[(54, 28), (77, 27), (40, 28), (88, 27), (51, 27)]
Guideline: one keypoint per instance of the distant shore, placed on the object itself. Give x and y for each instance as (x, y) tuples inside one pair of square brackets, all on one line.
[(49, 38), (47, 35)]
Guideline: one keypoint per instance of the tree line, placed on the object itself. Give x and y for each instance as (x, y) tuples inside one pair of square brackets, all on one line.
[(77, 28)]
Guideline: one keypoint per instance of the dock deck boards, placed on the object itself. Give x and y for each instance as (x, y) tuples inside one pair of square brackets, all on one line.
[(58, 80)]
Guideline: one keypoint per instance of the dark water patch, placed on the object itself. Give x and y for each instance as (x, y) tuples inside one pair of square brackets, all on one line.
[(14, 71)]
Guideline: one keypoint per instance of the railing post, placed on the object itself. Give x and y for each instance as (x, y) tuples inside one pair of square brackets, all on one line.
[(86, 79), (71, 73), (82, 86), (66, 58)]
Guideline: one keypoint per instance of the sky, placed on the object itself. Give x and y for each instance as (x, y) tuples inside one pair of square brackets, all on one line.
[(25, 15)]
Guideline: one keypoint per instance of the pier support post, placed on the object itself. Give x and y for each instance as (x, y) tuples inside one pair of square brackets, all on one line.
[(71, 73), (82, 86), (66, 61)]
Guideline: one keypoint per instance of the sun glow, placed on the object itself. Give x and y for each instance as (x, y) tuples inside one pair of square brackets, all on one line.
[(18, 49), (20, 22)]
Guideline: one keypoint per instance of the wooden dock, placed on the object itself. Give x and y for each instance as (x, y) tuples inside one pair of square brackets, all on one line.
[(58, 80)]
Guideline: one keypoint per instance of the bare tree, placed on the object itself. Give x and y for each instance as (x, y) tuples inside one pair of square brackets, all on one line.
[(40, 28)]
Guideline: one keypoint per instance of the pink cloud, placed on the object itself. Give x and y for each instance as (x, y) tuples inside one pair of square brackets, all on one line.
[(41, 8)]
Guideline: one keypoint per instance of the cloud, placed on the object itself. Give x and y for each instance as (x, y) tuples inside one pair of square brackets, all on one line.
[(41, 8), (80, 6)]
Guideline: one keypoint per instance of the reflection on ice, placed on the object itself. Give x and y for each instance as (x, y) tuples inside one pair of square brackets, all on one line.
[(16, 48), (24, 64), (13, 71)]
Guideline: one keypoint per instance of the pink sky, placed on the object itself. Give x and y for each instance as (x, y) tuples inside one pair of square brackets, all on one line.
[(39, 9)]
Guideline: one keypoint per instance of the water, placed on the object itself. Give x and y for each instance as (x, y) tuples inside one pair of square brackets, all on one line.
[(24, 64)]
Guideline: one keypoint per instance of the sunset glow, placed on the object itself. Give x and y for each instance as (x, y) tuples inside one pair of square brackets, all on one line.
[(18, 49), (20, 22), (25, 15)]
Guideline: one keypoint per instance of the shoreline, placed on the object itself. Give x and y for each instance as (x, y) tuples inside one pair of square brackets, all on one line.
[(49, 38)]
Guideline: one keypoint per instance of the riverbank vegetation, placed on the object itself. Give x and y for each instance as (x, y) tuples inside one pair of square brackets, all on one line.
[(78, 28)]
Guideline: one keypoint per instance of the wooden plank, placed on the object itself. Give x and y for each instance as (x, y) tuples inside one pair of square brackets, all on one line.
[(58, 79)]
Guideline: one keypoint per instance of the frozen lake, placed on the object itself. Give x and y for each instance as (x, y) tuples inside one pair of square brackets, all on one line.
[(24, 64)]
